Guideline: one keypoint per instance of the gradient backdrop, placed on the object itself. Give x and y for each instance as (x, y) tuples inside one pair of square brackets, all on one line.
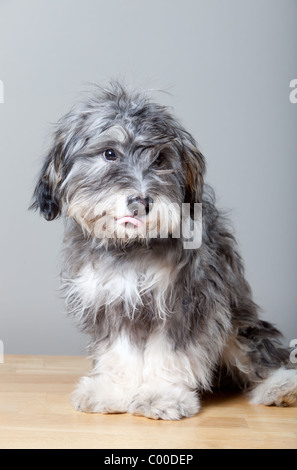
[(226, 64)]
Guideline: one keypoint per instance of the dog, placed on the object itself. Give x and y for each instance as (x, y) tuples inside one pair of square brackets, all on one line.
[(167, 321)]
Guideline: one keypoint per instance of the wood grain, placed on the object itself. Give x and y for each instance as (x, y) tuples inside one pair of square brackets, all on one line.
[(35, 412)]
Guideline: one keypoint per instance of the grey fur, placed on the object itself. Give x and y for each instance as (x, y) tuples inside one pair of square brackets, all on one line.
[(202, 306)]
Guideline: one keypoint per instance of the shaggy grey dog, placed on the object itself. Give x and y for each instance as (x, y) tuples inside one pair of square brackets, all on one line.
[(167, 321)]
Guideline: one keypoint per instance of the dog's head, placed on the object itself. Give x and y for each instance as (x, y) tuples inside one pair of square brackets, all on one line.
[(120, 166)]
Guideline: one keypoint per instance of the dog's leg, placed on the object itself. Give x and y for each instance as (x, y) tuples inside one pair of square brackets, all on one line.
[(169, 382), (262, 367), (116, 375)]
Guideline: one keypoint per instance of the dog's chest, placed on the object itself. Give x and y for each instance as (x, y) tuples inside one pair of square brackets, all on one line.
[(109, 282)]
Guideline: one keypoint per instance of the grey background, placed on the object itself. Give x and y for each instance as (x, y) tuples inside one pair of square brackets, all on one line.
[(227, 65)]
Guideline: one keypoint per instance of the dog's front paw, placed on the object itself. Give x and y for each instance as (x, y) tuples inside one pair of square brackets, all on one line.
[(167, 406), (86, 397), (96, 395)]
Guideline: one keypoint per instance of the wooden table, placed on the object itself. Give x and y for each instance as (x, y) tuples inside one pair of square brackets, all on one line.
[(35, 412)]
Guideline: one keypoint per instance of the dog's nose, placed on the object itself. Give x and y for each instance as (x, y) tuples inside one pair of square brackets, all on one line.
[(139, 205)]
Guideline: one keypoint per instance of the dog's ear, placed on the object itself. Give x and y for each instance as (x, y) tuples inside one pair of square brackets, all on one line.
[(46, 195), (194, 167), (68, 139)]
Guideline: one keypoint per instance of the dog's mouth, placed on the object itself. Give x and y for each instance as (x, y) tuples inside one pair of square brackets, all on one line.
[(128, 219)]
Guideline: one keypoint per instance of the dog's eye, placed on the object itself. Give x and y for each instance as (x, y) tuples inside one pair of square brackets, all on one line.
[(158, 161), (110, 155)]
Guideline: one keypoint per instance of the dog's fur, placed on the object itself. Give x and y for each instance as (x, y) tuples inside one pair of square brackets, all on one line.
[(166, 323)]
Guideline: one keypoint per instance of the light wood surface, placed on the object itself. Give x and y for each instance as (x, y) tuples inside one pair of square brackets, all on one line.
[(35, 412)]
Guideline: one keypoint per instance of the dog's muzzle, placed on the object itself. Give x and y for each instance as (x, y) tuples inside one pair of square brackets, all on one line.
[(138, 207)]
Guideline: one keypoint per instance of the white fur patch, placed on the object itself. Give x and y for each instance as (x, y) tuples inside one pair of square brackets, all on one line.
[(156, 381), (111, 385), (103, 285), (280, 389)]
